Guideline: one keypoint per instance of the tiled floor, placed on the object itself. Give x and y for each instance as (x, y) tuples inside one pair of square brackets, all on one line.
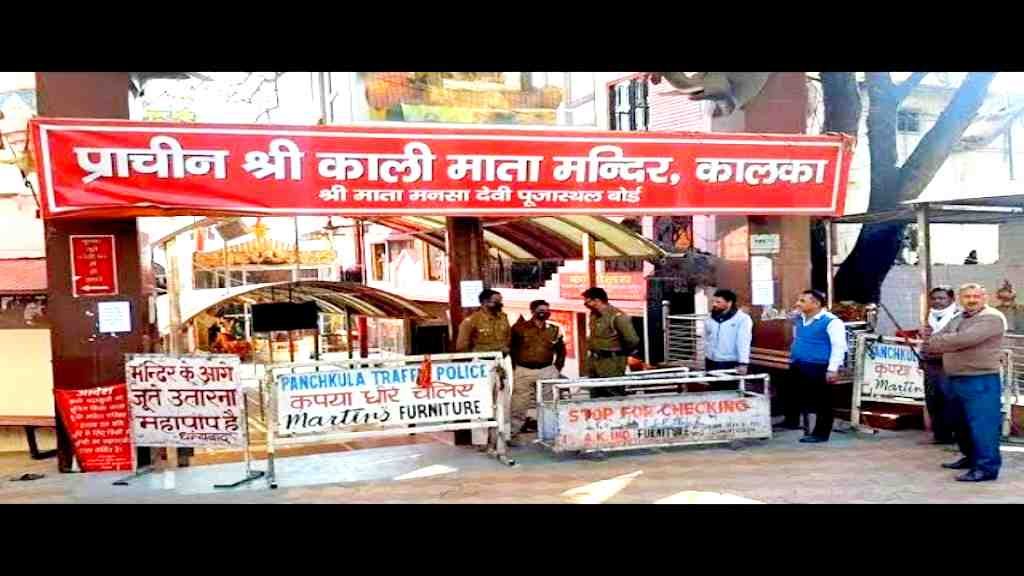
[(888, 468)]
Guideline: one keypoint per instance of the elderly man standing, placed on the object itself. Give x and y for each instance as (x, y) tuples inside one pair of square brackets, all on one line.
[(944, 315), (971, 357)]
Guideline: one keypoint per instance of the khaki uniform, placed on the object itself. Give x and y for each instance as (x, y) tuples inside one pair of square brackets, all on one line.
[(612, 338), (483, 332), (538, 354)]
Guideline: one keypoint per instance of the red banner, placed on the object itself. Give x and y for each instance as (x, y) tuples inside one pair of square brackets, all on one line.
[(116, 168), (93, 266), (566, 322), (97, 419), (619, 285)]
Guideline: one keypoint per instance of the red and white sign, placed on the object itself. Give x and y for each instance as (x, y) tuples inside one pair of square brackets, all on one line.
[(636, 422), (115, 168), (93, 266), (566, 322), (98, 422), (619, 285)]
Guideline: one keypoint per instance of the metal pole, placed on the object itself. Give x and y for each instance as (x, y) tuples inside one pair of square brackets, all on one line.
[(227, 269), (829, 228), (348, 332), (924, 251), (298, 274), (665, 325)]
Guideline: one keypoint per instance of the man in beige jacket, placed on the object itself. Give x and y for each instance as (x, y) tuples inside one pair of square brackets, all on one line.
[(971, 356)]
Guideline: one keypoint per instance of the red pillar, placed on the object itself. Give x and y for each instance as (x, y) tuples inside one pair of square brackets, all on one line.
[(466, 261), (83, 358)]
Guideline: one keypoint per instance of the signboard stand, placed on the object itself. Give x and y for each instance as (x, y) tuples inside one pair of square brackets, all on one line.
[(199, 411), (317, 402), (879, 359), (658, 411)]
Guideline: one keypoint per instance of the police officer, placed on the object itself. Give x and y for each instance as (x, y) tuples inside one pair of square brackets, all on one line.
[(538, 353), (612, 339), (487, 329)]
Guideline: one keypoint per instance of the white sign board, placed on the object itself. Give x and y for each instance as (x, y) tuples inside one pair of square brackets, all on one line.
[(765, 244), (891, 371), (114, 317), (763, 293), (323, 401), (635, 422), (761, 269), (469, 291), (185, 401)]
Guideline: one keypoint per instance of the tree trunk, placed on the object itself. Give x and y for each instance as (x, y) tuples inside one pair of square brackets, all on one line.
[(842, 115), (861, 275)]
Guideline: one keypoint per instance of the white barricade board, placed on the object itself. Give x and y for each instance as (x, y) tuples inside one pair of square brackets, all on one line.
[(890, 370), (333, 399), (637, 422), (186, 401)]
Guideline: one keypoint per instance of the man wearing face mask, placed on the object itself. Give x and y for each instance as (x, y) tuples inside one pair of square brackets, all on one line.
[(942, 317), (612, 339), (538, 353), (727, 334), (487, 329)]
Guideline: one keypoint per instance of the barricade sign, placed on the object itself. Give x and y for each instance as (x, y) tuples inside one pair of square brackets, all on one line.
[(188, 401), (888, 370), (316, 402), (657, 411)]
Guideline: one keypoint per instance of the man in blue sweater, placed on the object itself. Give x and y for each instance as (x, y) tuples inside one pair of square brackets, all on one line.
[(819, 346)]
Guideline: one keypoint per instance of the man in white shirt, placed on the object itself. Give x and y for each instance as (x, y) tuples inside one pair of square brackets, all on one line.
[(727, 334), (818, 350)]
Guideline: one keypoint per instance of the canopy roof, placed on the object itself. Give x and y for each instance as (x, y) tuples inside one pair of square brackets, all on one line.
[(330, 296), (993, 204), (538, 238)]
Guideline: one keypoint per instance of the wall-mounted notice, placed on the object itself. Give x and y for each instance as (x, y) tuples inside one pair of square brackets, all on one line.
[(470, 292), (97, 421), (114, 317)]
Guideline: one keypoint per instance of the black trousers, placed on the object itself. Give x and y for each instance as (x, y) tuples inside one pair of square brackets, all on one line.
[(710, 365), (940, 402), (807, 389)]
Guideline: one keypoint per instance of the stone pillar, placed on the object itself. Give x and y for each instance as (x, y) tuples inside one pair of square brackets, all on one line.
[(780, 108), (466, 261), (467, 255), (83, 358)]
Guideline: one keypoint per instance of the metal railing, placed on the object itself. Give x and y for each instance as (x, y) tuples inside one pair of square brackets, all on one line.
[(684, 340), (684, 344)]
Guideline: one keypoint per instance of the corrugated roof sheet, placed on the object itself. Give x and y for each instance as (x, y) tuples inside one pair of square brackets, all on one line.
[(23, 276), (539, 238)]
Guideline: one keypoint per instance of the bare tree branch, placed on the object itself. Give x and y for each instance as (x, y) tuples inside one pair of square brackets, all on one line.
[(842, 102), (933, 149), (903, 89), (882, 108)]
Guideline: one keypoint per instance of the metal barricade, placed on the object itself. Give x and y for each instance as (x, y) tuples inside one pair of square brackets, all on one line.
[(385, 407), (853, 330), (684, 340), (1015, 343), (658, 410)]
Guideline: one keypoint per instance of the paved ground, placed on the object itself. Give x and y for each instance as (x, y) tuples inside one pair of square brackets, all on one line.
[(892, 467)]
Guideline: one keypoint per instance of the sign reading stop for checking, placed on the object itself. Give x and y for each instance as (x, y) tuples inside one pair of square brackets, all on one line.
[(93, 266)]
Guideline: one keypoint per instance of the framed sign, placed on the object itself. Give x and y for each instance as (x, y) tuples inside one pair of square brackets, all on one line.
[(93, 265)]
